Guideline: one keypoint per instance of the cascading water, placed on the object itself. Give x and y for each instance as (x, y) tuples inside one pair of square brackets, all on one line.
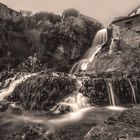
[(133, 92), (111, 92), (74, 102), (113, 99), (17, 79), (99, 40)]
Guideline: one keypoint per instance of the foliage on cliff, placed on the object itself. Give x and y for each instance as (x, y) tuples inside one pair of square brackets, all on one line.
[(58, 41)]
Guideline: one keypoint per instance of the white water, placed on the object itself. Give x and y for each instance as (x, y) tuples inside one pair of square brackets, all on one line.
[(111, 94), (133, 92), (101, 37), (14, 82), (116, 108), (76, 101), (80, 65)]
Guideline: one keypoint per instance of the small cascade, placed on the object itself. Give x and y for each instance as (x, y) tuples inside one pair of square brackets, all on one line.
[(111, 93), (99, 40), (133, 92), (72, 103), (16, 80), (80, 65)]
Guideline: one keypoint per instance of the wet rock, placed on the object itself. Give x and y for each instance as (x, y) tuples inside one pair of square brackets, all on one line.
[(43, 91), (16, 109), (125, 125), (62, 108), (4, 105), (98, 90), (94, 133)]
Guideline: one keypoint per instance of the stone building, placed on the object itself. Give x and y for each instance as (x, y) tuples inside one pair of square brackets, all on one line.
[(128, 29), (9, 14), (132, 21)]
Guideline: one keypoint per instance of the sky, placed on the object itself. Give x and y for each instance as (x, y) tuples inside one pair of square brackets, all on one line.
[(103, 10)]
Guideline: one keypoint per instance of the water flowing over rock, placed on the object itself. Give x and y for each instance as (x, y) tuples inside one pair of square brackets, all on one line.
[(43, 90), (74, 102), (13, 82), (74, 34), (111, 91), (100, 39)]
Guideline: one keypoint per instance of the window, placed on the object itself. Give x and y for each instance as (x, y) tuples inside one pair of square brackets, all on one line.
[(128, 24)]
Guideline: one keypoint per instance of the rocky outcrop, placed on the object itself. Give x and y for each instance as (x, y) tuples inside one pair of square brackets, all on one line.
[(129, 37), (43, 90), (99, 92), (124, 61), (125, 125)]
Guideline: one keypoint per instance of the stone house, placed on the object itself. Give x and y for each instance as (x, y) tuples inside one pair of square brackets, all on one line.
[(9, 14), (132, 21), (128, 29)]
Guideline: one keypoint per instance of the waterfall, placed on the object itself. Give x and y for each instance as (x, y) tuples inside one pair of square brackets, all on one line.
[(13, 83), (111, 93), (100, 39), (133, 92), (72, 103), (80, 65)]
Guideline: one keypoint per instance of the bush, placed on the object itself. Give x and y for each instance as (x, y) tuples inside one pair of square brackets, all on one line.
[(70, 12)]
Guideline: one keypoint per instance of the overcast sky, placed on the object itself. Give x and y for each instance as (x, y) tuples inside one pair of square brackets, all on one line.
[(103, 10)]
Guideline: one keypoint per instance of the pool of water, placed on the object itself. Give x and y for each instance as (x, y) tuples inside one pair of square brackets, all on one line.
[(70, 126)]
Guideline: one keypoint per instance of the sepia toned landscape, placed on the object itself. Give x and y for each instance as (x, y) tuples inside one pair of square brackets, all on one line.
[(68, 76)]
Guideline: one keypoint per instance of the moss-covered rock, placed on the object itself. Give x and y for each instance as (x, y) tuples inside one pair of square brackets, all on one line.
[(43, 90)]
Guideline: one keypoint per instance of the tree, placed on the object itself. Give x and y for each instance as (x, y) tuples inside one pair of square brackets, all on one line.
[(26, 13)]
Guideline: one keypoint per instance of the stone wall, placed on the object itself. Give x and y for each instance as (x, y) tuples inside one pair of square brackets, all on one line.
[(128, 37), (9, 14), (132, 22)]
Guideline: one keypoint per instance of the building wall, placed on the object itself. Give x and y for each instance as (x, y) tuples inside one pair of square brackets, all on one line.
[(9, 14), (128, 37), (132, 23)]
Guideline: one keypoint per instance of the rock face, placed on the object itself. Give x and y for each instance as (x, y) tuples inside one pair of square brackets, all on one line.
[(125, 125), (125, 90), (124, 61), (121, 51), (129, 37), (43, 91)]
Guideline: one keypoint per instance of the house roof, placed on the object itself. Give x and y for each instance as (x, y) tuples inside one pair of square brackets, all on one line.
[(134, 11), (9, 8), (125, 18), (130, 15)]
